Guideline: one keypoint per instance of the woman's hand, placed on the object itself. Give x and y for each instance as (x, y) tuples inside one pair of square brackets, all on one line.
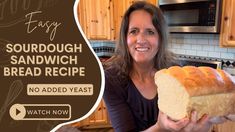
[(201, 125), (164, 123), (230, 117), (193, 124), (218, 119)]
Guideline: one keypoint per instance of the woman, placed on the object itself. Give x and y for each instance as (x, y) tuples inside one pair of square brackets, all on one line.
[(130, 92)]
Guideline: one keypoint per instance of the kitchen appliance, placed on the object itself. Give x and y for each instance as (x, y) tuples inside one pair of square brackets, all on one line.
[(197, 62), (192, 16)]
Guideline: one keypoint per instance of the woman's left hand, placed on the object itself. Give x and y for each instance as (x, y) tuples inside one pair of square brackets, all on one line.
[(201, 125), (222, 119), (218, 119), (230, 117)]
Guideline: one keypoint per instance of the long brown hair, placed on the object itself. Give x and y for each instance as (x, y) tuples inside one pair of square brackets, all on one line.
[(122, 60)]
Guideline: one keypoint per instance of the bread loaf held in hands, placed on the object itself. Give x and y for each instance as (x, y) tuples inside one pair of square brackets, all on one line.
[(203, 89)]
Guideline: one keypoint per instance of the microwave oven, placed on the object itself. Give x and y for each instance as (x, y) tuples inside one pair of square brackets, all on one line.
[(192, 16)]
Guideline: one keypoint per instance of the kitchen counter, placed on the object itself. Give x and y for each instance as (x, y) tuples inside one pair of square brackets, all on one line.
[(103, 48)]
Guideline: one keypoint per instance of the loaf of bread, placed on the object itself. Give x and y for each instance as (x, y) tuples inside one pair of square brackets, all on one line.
[(203, 89)]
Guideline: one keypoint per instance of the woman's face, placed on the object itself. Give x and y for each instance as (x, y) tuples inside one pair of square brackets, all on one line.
[(142, 37)]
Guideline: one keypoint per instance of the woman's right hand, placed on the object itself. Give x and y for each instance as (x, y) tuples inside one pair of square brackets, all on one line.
[(164, 123)]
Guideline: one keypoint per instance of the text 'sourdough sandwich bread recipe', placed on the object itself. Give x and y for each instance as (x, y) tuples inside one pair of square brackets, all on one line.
[(203, 89)]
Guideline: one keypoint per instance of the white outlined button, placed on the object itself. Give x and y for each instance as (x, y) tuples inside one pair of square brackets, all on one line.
[(40, 111)]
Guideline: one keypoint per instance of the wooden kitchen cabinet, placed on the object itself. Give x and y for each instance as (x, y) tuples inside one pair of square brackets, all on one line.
[(119, 10), (100, 116), (101, 19), (96, 18), (120, 6), (155, 2), (227, 36), (225, 127), (98, 119), (82, 15)]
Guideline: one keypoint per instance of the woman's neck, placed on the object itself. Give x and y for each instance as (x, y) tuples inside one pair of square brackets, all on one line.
[(142, 72), (143, 78)]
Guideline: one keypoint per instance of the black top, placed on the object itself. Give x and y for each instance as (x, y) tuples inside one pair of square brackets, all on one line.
[(127, 108)]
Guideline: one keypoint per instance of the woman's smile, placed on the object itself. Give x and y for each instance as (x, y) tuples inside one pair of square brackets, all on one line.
[(142, 49)]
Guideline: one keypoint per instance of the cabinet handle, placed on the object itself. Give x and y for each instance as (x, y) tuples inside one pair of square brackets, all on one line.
[(231, 37), (226, 18), (95, 21)]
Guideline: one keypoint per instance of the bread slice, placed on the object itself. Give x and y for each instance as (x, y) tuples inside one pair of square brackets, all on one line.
[(204, 89)]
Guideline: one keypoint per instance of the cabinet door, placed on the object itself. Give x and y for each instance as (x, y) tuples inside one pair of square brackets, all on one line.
[(227, 36), (99, 19), (120, 7), (225, 127), (154, 2), (82, 15), (100, 115), (99, 118)]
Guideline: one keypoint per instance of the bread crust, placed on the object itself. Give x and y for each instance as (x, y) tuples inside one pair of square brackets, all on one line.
[(200, 81)]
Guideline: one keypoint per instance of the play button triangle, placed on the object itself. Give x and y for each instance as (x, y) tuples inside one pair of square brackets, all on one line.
[(17, 112)]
